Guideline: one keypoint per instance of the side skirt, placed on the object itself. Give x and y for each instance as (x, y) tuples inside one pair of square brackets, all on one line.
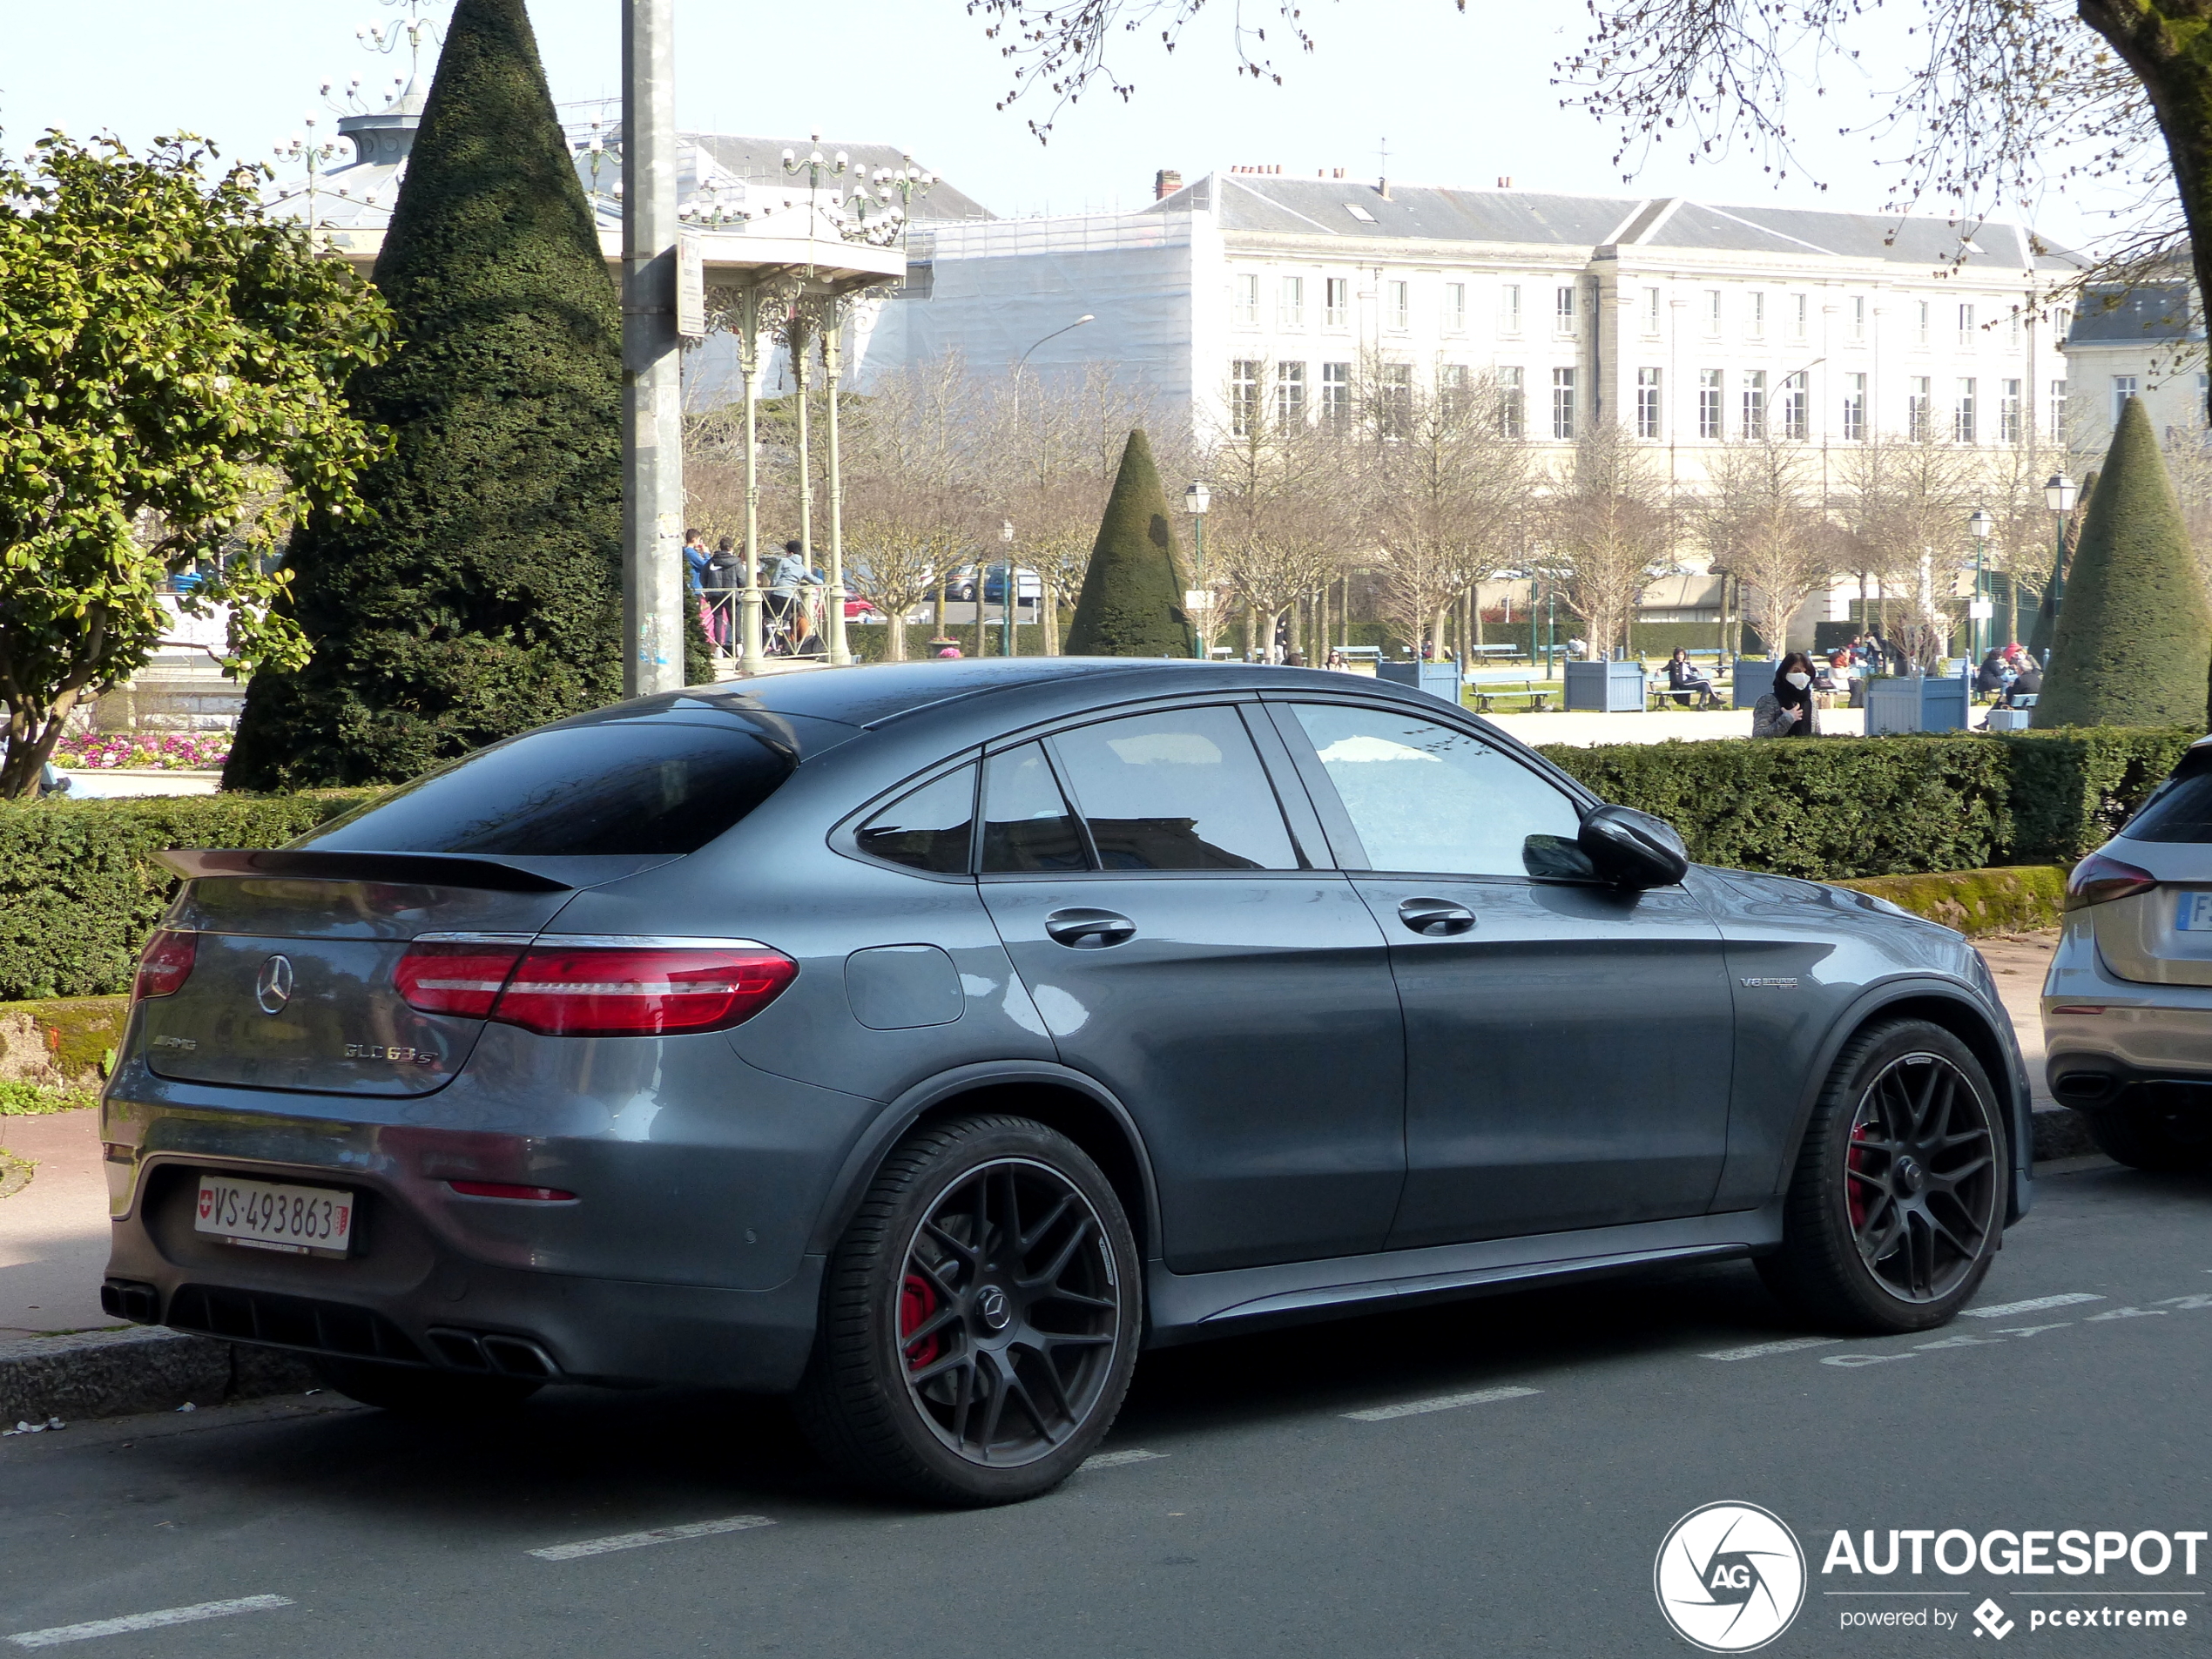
[(1191, 1307)]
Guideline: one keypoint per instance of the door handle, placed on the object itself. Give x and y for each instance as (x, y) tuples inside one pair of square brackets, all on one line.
[(1436, 917), (1089, 929)]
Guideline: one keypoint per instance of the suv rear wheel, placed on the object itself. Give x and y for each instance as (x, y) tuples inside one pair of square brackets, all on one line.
[(2147, 1136), (1897, 1201), (981, 1318)]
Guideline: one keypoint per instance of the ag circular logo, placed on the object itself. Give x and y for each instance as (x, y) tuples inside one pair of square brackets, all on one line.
[(1730, 1577)]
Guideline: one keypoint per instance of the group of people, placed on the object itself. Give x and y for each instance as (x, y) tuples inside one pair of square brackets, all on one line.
[(789, 602), (2009, 671)]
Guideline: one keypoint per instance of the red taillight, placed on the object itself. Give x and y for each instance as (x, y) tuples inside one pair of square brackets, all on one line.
[(2098, 879), (165, 964), (507, 1190), (454, 978), (615, 992)]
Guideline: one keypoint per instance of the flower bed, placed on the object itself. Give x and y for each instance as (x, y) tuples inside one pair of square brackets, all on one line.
[(167, 751)]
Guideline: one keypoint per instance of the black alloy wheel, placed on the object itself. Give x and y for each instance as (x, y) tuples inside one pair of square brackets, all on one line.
[(981, 1319), (1897, 1205)]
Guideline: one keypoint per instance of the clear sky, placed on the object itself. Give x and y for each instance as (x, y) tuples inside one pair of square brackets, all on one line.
[(1461, 98)]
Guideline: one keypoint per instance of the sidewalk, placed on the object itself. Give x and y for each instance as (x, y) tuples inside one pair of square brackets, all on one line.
[(54, 1232), (1687, 726)]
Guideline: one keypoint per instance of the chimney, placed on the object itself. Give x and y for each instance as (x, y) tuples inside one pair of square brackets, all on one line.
[(1505, 181), (1165, 183)]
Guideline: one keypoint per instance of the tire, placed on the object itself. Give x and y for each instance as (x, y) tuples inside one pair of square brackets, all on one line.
[(2148, 1137), (1897, 1205), (413, 1392), (960, 1362)]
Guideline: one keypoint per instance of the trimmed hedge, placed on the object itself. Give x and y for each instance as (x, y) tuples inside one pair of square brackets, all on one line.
[(1864, 806), (2018, 899), (80, 890)]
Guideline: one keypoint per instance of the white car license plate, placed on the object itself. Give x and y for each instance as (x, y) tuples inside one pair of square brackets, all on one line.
[(2194, 914), (267, 1216)]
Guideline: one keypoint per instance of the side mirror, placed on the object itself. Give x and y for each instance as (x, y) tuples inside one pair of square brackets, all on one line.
[(1633, 849)]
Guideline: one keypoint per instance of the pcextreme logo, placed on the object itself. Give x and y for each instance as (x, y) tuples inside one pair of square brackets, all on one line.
[(1730, 1577)]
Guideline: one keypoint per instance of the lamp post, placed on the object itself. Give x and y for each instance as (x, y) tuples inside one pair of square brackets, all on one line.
[(1978, 527), (1023, 362), (2059, 493), (1006, 595), (1196, 501), (303, 148)]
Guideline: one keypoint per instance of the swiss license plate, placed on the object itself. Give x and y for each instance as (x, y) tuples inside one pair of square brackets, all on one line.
[(2194, 914), (266, 1215)]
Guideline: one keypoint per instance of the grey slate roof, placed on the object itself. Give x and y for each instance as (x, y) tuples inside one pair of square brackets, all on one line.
[(2112, 315), (1274, 202), (761, 160)]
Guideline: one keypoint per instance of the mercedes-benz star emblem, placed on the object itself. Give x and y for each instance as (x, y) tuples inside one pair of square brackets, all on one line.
[(991, 1303), (272, 985)]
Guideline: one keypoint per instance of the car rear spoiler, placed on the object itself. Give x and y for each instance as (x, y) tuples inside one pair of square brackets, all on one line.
[(411, 869)]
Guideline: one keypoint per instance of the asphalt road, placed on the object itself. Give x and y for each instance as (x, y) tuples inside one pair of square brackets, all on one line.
[(1262, 1497)]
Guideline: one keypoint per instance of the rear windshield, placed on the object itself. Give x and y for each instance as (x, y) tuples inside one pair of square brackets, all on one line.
[(643, 786), (2182, 809)]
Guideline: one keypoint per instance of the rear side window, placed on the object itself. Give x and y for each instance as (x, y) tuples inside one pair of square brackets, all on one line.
[(927, 828), (1027, 825), (623, 787), (2181, 810), (1180, 790)]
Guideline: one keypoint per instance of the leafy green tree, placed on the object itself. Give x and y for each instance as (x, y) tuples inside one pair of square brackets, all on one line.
[(484, 597), (168, 361), (2134, 634), (1131, 604)]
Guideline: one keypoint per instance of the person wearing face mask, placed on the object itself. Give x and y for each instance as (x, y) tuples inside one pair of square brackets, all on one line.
[(1787, 711)]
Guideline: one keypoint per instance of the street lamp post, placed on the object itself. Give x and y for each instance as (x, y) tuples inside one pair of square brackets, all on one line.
[(2058, 495), (1196, 501), (1978, 527), (1006, 595), (1023, 362)]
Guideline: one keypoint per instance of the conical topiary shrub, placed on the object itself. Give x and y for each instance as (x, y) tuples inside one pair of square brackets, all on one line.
[(481, 595), (2046, 613), (2134, 634), (1131, 604)]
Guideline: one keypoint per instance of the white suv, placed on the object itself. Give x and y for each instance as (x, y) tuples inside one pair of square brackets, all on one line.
[(2127, 1006)]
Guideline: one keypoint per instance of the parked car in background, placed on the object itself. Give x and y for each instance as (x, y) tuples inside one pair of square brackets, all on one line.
[(1028, 585), (2128, 1002), (924, 1040)]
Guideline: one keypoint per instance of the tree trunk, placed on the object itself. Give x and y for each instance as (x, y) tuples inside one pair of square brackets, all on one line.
[(894, 635), (1048, 605)]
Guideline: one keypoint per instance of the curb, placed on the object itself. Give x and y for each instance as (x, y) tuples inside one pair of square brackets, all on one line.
[(111, 1373), (143, 1368)]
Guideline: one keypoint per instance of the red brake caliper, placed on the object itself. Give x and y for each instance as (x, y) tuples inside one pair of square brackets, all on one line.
[(917, 1301), (1854, 1192)]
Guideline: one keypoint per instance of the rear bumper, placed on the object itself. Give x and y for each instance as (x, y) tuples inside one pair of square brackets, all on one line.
[(2141, 1035)]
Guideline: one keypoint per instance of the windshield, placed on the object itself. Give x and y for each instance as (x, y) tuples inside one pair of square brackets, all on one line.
[(2181, 808)]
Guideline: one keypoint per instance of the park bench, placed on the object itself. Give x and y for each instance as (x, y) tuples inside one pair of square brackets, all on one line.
[(1488, 686)]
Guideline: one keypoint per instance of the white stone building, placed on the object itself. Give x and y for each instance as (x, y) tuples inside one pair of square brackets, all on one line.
[(2145, 341)]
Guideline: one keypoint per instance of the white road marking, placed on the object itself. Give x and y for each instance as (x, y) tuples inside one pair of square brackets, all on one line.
[(1115, 1460), (2129, 1313), (2198, 1301), (1852, 1361), (1962, 1340), (639, 1539), (1760, 1349), (2034, 1305), (62, 1632), (2031, 1329), (1441, 1403)]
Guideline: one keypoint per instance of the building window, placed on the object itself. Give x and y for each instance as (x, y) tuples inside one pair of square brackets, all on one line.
[(1564, 400), (1966, 328), (1336, 393), (2013, 330), (1563, 310), (1854, 407), (1755, 403), (1920, 325), (2123, 387), (1402, 304), (1713, 312), (2061, 323), (1755, 318), (1648, 403), (1394, 400), (2009, 407), (1962, 414), (1451, 390), (1289, 394), (1455, 307), (1290, 303), (1335, 293), (1651, 311), (1509, 309), (1800, 314), (1796, 419), (1243, 396), (1246, 299), (2057, 412), (1513, 403), (1918, 397), (1859, 318), (1708, 404)]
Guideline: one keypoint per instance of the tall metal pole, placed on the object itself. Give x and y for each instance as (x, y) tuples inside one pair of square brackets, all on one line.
[(840, 650), (753, 658), (652, 430), (801, 343)]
